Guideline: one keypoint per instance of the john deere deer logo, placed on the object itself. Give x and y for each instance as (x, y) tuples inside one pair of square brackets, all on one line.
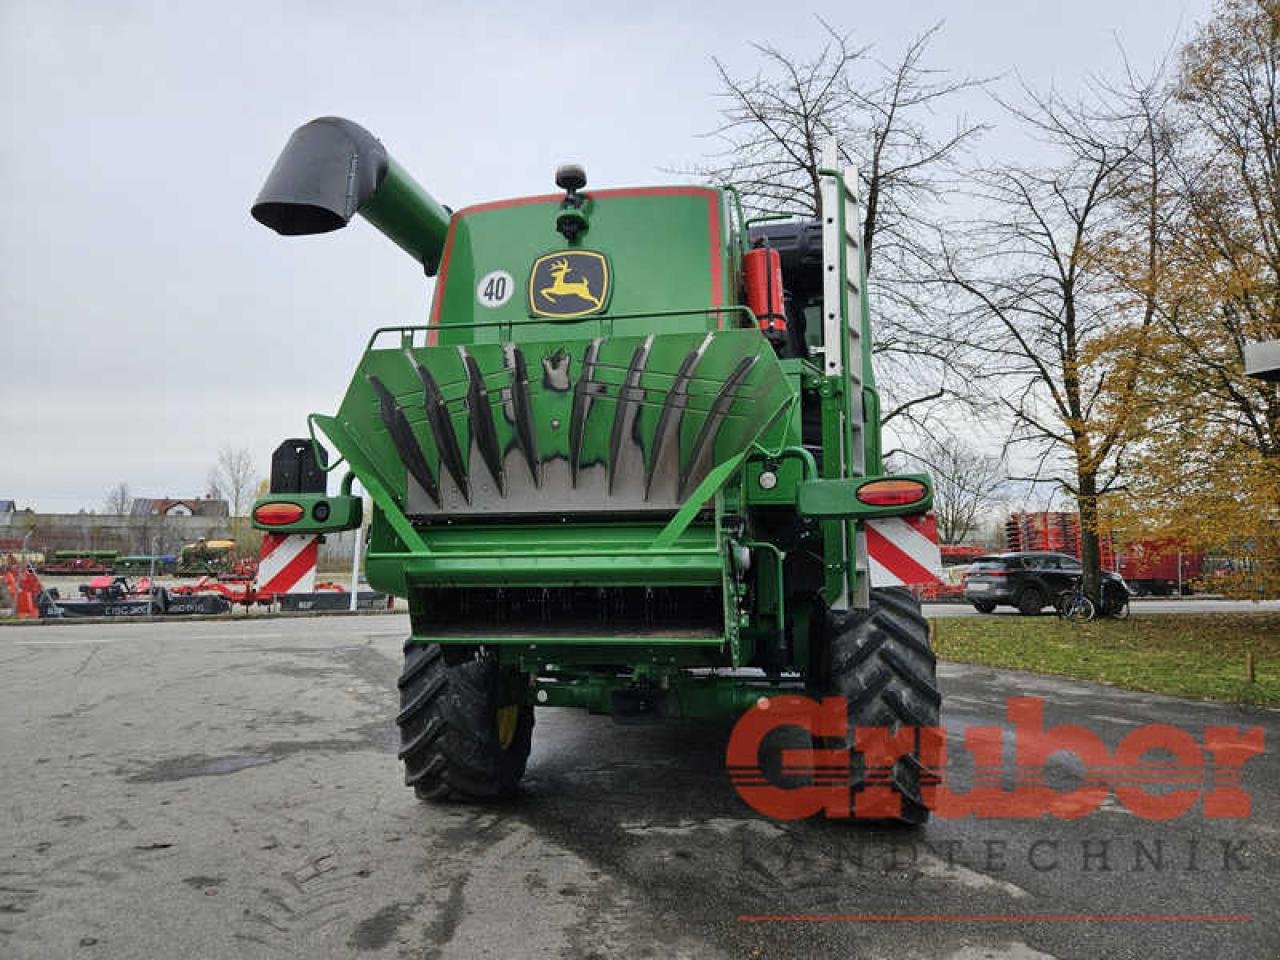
[(562, 287), (568, 283)]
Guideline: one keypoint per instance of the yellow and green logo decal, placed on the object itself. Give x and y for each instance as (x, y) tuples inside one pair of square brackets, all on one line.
[(569, 283)]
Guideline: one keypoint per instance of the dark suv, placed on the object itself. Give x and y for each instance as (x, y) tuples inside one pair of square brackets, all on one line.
[(1029, 581)]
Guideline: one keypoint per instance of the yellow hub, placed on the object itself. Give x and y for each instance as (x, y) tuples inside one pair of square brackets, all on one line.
[(508, 720)]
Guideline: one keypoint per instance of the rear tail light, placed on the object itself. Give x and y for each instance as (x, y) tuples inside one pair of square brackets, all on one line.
[(278, 514), (892, 493)]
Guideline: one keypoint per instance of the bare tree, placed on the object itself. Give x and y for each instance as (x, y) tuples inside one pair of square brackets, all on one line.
[(1036, 287), (883, 117), (966, 484), (234, 478), (118, 500), (213, 484)]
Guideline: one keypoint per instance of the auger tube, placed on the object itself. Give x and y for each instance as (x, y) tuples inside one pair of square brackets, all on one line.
[(332, 169)]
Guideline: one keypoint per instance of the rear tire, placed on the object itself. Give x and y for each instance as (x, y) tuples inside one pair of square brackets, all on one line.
[(984, 606), (459, 740), (882, 664), (1030, 602)]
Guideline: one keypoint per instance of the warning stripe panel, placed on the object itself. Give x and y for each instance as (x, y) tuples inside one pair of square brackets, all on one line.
[(278, 550), (288, 563), (903, 551)]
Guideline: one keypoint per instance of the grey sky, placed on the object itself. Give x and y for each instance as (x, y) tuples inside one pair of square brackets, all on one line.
[(145, 319)]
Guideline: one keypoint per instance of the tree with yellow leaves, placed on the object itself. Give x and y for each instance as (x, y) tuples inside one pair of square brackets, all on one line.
[(1207, 471)]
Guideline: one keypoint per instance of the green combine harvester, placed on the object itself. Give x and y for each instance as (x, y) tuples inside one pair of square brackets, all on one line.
[(626, 466)]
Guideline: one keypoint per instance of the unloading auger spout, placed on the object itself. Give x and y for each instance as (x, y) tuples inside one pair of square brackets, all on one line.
[(330, 170)]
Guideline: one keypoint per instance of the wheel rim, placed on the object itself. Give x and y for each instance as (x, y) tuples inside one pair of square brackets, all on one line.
[(508, 720)]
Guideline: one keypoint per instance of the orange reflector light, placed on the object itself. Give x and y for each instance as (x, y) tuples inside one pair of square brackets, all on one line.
[(278, 514), (892, 493)]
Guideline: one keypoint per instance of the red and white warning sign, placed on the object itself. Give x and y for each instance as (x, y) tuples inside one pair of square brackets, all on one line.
[(288, 563), (903, 551)]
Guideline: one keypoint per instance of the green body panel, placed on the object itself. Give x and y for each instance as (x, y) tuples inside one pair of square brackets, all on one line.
[(646, 447), (561, 555), (666, 251)]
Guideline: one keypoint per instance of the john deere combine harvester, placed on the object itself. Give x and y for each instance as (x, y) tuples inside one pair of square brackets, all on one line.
[(630, 456)]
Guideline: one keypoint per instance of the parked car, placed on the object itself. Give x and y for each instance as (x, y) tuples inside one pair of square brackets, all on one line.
[(1029, 580)]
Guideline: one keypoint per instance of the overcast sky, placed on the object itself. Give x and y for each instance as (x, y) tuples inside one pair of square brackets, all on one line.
[(146, 320)]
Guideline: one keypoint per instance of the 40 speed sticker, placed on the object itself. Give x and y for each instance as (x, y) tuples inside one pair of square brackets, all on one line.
[(495, 289)]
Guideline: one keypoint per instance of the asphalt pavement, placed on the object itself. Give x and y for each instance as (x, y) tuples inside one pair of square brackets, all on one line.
[(230, 789)]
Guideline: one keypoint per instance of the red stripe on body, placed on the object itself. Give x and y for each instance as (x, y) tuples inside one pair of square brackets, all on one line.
[(437, 301), (717, 264), (588, 194)]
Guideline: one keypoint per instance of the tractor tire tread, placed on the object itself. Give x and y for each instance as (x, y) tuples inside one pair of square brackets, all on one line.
[(448, 732), (881, 662), (417, 660)]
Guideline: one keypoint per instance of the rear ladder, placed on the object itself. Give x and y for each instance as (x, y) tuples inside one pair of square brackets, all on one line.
[(845, 324)]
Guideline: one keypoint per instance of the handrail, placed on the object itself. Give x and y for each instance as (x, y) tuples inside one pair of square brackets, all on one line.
[(317, 447), (769, 217), (806, 459), (745, 311)]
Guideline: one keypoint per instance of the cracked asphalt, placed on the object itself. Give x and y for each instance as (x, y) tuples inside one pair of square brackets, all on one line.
[(230, 789)]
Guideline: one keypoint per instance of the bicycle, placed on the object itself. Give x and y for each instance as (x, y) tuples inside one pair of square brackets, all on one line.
[(1074, 604)]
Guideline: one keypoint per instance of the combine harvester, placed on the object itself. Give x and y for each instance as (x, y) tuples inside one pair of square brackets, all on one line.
[(635, 452)]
